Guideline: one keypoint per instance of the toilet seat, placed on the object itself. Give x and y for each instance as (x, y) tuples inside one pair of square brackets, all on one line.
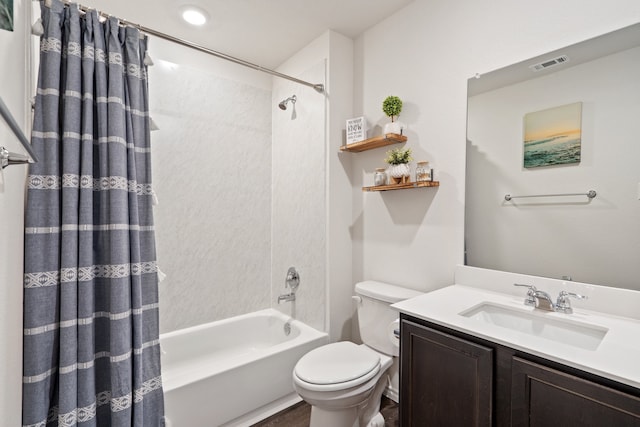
[(337, 366)]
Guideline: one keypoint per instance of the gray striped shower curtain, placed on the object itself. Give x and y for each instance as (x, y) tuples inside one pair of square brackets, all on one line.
[(91, 349)]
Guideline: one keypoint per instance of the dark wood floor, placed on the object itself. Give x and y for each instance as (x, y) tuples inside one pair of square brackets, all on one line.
[(298, 415)]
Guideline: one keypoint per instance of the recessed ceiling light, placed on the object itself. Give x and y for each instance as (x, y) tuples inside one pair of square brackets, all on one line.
[(194, 15)]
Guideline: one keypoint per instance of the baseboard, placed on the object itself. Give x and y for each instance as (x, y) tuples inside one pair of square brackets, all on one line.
[(392, 394)]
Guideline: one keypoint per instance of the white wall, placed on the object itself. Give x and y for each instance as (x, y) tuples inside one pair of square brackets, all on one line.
[(212, 175), (590, 241), (14, 92), (425, 53), (340, 278)]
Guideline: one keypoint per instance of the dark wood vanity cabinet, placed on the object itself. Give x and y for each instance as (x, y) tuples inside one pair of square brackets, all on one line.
[(448, 378), (445, 379)]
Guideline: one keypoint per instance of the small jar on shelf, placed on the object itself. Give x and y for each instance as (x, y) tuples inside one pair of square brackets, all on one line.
[(380, 177), (423, 172)]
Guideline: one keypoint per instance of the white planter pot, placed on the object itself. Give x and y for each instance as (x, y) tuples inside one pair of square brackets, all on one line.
[(399, 171), (393, 127)]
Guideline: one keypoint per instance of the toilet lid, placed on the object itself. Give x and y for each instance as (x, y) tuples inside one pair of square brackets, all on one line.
[(336, 363)]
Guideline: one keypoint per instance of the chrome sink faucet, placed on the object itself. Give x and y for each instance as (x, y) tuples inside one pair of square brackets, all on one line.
[(537, 299), (542, 300), (292, 282)]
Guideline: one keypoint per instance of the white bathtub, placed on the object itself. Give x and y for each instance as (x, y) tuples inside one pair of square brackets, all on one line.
[(233, 372)]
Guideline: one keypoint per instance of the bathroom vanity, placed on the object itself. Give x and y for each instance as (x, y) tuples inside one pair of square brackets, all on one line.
[(478, 356), (483, 352), (451, 378)]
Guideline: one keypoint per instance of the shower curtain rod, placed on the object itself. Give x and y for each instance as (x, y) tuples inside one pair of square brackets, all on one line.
[(319, 87)]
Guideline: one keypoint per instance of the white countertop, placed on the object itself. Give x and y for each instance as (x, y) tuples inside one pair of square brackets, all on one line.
[(617, 357)]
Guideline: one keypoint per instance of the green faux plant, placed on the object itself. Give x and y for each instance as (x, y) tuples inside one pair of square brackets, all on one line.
[(392, 106), (398, 156)]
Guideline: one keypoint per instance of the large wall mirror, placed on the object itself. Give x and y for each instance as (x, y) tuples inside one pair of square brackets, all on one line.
[(514, 112)]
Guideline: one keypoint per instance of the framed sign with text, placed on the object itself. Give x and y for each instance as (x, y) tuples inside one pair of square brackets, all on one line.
[(356, 130)]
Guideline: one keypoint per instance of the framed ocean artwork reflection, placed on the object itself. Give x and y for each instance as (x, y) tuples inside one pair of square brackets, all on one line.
[(553, 136), (6, 15)]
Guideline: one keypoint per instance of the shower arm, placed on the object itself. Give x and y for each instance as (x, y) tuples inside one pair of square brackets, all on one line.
[(283, 104)]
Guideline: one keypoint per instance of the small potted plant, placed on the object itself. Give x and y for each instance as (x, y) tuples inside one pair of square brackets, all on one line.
[(398, 160), (392, 106)]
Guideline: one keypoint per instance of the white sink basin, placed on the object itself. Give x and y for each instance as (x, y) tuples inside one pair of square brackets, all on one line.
[(538, 324)]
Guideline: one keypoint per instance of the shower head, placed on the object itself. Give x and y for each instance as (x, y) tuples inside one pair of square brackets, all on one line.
[(283, 104)]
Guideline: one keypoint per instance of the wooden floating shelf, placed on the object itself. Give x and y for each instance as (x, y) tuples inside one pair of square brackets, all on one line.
[(375, 142), (406, 186)]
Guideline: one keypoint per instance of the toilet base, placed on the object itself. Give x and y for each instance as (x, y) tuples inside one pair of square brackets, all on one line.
[(370, 415), (344, 418), (377, 421), (347, 417)]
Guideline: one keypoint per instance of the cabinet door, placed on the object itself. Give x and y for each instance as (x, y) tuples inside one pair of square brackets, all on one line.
[(542, 397), (444, 380)]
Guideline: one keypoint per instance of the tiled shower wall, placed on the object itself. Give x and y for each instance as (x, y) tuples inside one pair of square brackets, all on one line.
[(212, 176), (241, 190), (299, 214)]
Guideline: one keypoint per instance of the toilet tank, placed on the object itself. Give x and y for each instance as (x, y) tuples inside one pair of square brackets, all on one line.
[(376, 318)]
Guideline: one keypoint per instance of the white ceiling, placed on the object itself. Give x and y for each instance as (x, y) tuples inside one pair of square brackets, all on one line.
[(265, 32)]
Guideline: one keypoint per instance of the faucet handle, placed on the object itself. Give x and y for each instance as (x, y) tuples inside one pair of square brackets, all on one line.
[(563, 303), (293, 279), (531, 299), (563, 296)]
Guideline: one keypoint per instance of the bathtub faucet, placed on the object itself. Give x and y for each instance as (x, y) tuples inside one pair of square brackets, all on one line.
[(286, 297), (292, 281)]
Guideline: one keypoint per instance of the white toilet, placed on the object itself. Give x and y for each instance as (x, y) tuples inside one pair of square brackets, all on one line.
[(343, 382)]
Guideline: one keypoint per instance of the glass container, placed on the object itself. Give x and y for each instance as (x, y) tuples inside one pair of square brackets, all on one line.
[(423, 172), (380, 177)]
